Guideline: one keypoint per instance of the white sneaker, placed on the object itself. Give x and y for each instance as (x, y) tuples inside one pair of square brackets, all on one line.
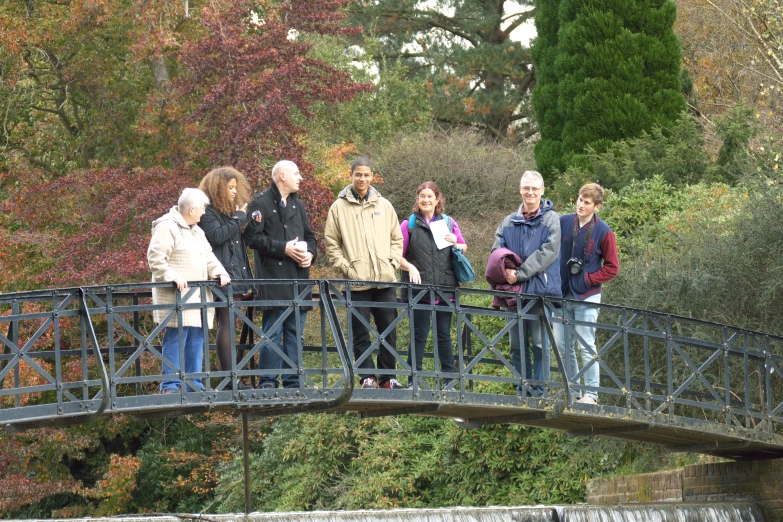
[(369, 382), (588, 399), (393, 384)]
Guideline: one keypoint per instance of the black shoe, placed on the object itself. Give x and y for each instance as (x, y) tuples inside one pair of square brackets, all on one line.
[(267, 386)]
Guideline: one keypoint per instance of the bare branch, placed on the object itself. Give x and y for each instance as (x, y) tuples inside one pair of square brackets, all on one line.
[(524, 17)]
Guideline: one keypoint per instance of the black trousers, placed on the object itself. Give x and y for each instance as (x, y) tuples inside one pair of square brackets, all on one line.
[(421, 332), (361, 336)]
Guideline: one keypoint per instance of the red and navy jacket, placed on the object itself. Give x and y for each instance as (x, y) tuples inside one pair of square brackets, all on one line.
[(600, 259)]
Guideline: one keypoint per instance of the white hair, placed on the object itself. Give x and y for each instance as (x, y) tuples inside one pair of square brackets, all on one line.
[(533, 175), (280, 165), (191, 197)]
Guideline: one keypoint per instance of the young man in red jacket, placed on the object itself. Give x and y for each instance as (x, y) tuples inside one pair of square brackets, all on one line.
[(588, 258)]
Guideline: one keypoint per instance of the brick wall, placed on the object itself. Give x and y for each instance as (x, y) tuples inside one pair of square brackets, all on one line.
[(760, 481)]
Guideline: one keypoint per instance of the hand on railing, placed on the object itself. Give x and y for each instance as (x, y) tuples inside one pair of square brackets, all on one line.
[(182, 285)]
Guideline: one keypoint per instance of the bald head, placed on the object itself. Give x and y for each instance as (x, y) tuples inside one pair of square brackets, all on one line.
[(283, 165)]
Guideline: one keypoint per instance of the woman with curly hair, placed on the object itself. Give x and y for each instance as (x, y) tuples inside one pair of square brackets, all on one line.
[(222, 223)]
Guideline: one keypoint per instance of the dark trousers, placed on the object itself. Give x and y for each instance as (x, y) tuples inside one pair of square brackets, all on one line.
[(421, 332), (361, 336)]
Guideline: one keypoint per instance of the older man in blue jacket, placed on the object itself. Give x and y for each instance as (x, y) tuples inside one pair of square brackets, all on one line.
[(533, 233)]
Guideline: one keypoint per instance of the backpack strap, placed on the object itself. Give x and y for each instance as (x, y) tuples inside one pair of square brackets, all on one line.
[(412, 222), (449, 223)]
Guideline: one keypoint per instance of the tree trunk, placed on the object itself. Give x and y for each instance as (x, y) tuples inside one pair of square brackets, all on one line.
[(160, 72)]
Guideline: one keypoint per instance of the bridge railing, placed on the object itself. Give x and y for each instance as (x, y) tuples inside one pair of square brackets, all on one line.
[(655, 366), (663, 364), (50, 372), (660, 367)]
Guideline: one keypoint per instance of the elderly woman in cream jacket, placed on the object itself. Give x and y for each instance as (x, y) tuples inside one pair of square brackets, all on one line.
[(179, 252)]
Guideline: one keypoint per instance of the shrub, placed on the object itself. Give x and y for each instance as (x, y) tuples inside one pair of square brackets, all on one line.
[(675, 154), (478, 178), (716, 257)]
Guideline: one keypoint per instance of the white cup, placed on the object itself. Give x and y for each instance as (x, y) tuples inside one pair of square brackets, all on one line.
[(301, 246)]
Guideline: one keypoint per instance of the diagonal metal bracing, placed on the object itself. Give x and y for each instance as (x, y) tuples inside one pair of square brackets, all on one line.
[(739, 369), (697, 372), (380, 338), (21, 354), (489, 346)]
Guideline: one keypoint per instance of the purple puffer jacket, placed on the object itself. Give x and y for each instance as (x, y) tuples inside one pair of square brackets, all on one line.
[(498, 261)]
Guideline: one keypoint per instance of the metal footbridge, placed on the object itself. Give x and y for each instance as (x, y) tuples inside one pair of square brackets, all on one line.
[(69, 355)]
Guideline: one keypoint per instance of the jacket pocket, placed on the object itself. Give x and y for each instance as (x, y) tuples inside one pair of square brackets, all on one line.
[(537, 285), (579, 283), (387, 271), (355, 271)]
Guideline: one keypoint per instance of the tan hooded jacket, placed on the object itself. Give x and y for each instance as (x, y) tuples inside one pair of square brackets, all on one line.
[(363, 238), (179, 250)]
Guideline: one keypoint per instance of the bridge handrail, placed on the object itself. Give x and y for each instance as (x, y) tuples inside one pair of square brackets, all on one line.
[(708, 382)]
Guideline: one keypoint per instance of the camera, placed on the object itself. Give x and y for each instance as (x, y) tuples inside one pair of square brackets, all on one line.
[(575, 265)]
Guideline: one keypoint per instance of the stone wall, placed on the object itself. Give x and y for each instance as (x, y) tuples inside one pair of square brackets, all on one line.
[(760, 481), (665, 486)]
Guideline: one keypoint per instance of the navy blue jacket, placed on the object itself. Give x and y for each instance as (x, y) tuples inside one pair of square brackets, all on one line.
[(537, 243), (601, 262)]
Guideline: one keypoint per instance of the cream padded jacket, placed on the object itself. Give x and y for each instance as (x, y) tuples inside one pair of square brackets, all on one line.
[(179, 250), (363, 239)]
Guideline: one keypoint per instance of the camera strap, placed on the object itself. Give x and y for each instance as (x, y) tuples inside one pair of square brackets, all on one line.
[(588, 235)]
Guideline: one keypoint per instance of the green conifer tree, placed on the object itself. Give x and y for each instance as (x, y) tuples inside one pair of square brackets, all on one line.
[(606, 70)]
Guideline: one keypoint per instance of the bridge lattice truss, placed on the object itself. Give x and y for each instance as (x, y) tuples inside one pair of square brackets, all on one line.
[(70, 355)]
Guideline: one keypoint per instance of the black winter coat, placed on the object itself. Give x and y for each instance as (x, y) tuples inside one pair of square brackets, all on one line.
[(224, 234), (279, 225)]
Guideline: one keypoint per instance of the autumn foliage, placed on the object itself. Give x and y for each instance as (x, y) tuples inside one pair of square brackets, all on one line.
[(98, 148), (110, 109)]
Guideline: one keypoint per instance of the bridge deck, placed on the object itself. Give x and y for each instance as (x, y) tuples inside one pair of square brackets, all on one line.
[(686, 384), (684, 434)]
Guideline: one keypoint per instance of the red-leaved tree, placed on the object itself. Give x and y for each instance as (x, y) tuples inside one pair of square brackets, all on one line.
[(241, 96), (254, 85)]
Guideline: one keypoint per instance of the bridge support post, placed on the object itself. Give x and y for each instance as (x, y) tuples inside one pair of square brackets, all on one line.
[(246, 461)]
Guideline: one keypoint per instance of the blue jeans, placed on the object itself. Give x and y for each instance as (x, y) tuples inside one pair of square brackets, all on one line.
[(538, 368), (565, 339), (193, 338), (286, 339)]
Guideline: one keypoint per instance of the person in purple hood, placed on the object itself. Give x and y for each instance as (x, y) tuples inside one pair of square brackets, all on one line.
[(533, 234)]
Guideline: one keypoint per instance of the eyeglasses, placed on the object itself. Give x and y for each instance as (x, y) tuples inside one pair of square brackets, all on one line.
[(531, 189)]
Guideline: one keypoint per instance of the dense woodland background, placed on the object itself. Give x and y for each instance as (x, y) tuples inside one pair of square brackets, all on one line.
[(110, 107)]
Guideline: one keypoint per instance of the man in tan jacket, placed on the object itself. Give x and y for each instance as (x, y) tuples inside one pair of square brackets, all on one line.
[(179, 252), (364, 243)]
